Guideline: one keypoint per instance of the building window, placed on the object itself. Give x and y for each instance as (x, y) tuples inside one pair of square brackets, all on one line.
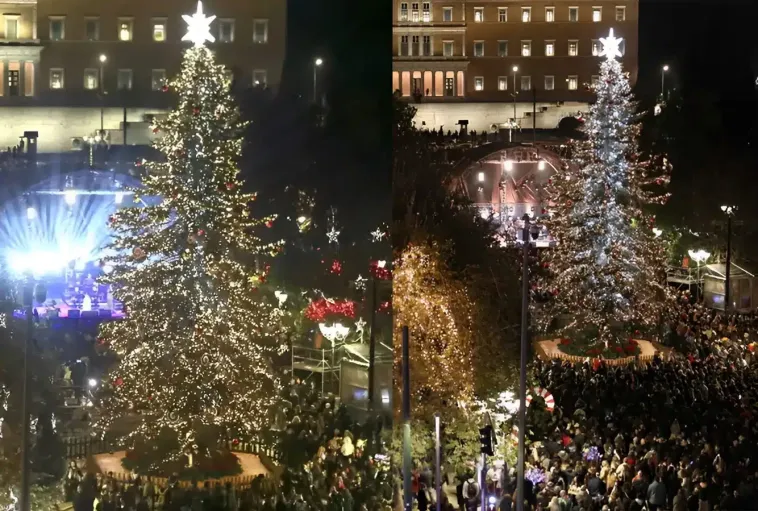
[(594, 79), (124, 79), (56, 78), (526, 14), (260, 31), (125, 29), (92, 29), (526, 83), (159, 30), (502, 48), (447, 14), (597, 14), (260, 78), (404, 46), (157, 79), (427, 45), (573, 48), (448, 50), (478, 48), (427, 12), (11, 27), (57, 29), (573, 13), (449, 86), (478, 14), (226, 31), (549, 48), (478, 83), (550, 14), (502, 14), (620, 13), (502, 83), (596, 47), (526, 48), (91, 79), (415, 45), (414, 12), (403, 11), (573, 82), (622, 47), (229, 76), (549, 82)]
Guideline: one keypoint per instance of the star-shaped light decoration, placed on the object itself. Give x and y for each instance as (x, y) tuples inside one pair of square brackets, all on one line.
[(333, 235), (360, 283), (198, 27), (611, 46), (378, 234), (360, 327)]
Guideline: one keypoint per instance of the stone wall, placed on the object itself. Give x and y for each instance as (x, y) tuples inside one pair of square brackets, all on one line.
[(59, 126), (481, 116)]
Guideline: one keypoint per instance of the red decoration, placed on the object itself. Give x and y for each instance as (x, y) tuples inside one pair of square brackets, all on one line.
[(164, 88), (100, 341), (336, 267), (111, 219), (380, 273), (196, 111), (321, 309), (546, 265), (138, 163), (155, 130), (384, 306), (230, 186), (269, 224), (544, 211), (659, 181), (200, 232), (119, 381)]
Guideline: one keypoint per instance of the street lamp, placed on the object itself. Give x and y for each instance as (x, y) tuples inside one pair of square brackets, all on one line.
[(699, 256), (103, 59), (664, 69), (316, 64), (729, 211)]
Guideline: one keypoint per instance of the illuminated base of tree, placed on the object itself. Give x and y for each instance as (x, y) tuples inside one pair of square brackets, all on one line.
[(157, 460), (617, 348)]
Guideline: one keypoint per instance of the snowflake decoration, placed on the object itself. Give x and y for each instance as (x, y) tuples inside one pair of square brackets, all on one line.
[(3, 320), (611, 46), (198, 27), (378, 234), (333, 235), (360, 283)]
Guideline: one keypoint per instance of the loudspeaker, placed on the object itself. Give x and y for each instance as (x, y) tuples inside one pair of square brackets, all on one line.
[(74, 313), (105, 313), (89, 314)]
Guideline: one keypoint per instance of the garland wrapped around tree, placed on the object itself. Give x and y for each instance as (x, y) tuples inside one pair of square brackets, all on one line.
[(607, 272), (195, 350)]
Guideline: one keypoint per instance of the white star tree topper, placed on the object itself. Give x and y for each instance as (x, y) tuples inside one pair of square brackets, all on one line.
[(611, 46), (199, 27)]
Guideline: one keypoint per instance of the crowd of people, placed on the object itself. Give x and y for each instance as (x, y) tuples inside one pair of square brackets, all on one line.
[(676, 434)]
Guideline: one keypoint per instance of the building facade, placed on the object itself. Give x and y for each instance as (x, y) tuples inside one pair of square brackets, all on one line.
[(486, 50), (119, 54)]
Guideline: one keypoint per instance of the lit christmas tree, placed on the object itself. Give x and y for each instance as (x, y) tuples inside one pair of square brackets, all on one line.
[(196, 347), (607, 271)]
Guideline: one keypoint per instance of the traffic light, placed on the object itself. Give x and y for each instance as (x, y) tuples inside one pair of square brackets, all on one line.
[(485, 441)]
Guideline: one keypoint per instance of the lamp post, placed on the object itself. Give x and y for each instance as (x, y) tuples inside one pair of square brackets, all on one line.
[(699, 256), (664, 69), (729, 211), (515, 91), (316, 64), (103, 59)]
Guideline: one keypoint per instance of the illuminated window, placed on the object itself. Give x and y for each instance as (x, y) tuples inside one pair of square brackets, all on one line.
[(229, 76), (620, 13), (125, 29), (403, 11), (526, 83), (478, 14), (526, 48), (260, 31), (478, 48), (91, 79), (573, 48), (549, 82), (426, 12), (502, 83), (157, 79), (124, 79), (596, 47), (447, 14), (11, 27), (502, 48), (573, 13), (448, 49), (478, 83), (56, 78), (159, 30), (226, 31), (260, 78), (414, 12), (550, 14), (597, 14), (594, 79), (549, 48), (526, 14), (92, 29), (573, 82), (57, 29), (502, 14)]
